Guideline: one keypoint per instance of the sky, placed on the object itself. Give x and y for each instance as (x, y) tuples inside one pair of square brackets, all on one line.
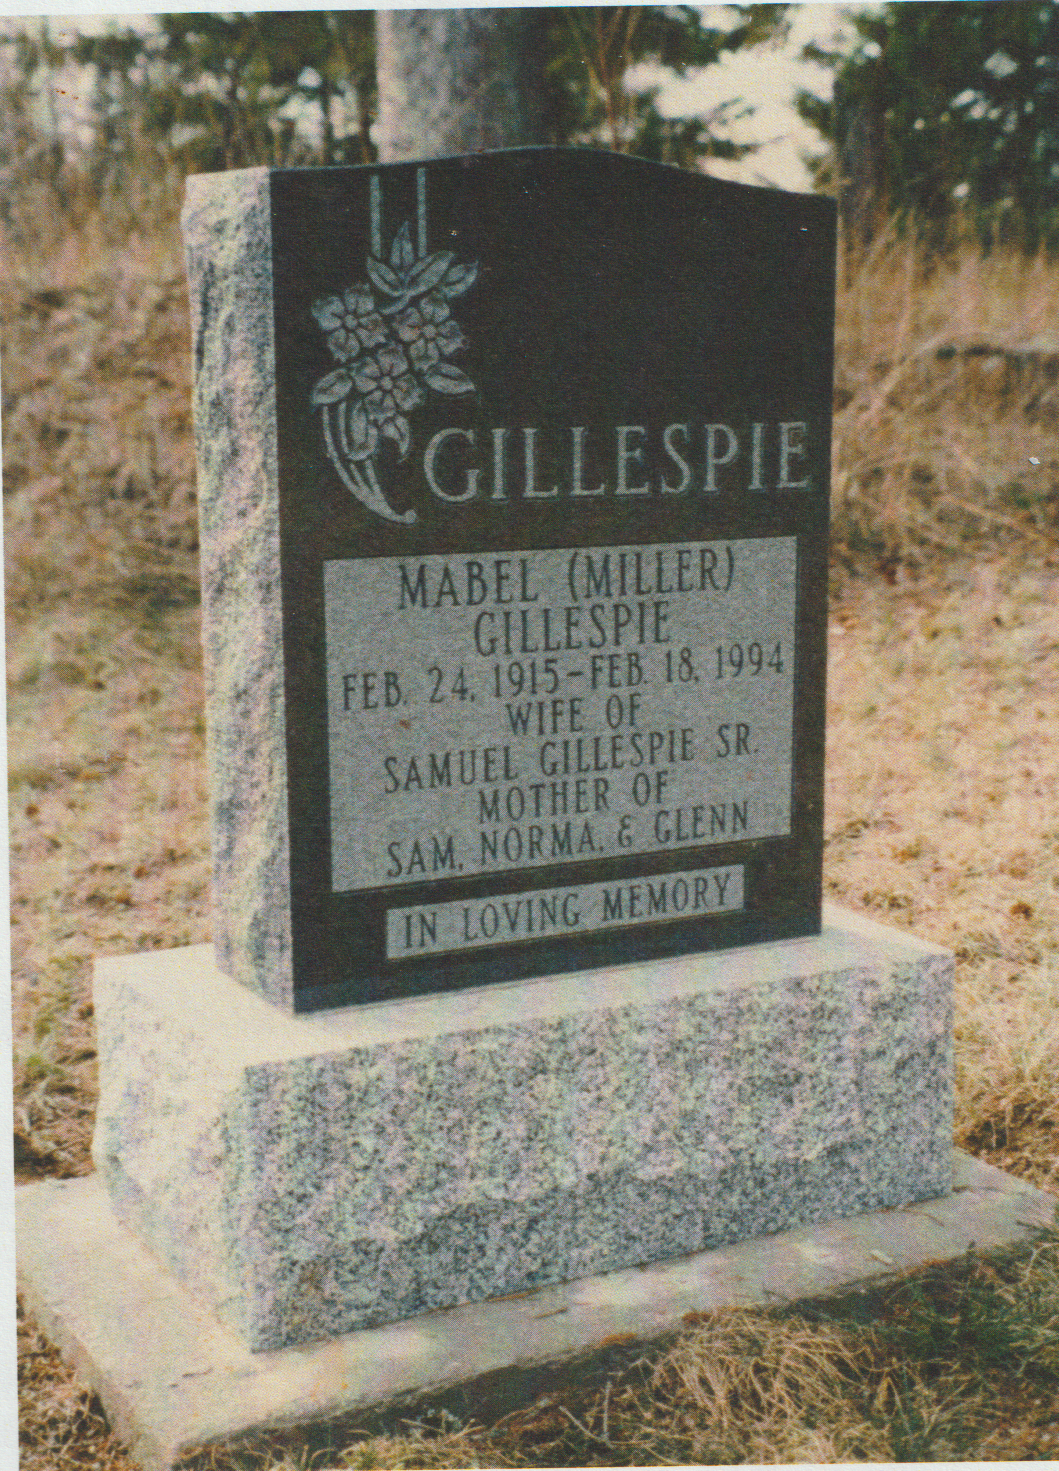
[(767, 78), (764, 77)]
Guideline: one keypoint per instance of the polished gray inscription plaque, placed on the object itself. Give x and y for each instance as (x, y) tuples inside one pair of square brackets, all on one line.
[(550, 705)]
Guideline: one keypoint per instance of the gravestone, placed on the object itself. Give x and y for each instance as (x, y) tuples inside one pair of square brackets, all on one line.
[(513, 473), (542, 560)]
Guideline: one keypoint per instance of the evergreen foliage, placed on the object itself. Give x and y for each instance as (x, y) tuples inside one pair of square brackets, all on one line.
[(946, 109), (592, 49), (215, 90)]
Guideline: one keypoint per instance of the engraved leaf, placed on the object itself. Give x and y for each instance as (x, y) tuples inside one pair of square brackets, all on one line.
[(458, 279), (386, 280), (401, 300), (426, 274), (332, 388), (363, 435), (447, 379), (402, 256), (397, 429)]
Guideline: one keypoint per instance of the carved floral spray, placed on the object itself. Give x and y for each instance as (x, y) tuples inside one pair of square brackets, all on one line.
[(391, 335)]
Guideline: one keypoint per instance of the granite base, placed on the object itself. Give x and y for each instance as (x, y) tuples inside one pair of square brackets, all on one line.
[(312, 1175)]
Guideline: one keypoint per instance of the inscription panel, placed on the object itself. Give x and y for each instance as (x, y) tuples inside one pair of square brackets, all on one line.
[(542, 912), (501, 712)]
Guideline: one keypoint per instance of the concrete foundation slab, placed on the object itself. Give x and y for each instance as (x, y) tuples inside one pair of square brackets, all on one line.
[(173, 1379)]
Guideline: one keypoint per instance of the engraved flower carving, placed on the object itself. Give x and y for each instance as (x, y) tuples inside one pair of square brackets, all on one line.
[(386, 382), (390, 335), (428, 331), (389, 392), (351, 322)]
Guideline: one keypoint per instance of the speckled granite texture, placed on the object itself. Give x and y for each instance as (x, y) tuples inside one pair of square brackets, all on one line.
[(227, 231), (312, 1175)]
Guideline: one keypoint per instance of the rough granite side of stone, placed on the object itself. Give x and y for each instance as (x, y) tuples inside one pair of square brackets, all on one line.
[(227, 233), (159, 1144), (380, 1161)]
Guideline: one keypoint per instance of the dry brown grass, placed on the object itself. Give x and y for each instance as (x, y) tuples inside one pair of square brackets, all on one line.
[(745, 1387), (943, 746), (105, 726), (108, 840), (947, 404), (942, 811), (65, 1429), (943, 818), (98, 454)]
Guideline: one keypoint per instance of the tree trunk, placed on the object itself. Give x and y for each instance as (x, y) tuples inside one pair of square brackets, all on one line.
[(457, 81)]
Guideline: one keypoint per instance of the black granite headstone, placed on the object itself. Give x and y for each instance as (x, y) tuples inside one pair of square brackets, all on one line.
[(554, 438)]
